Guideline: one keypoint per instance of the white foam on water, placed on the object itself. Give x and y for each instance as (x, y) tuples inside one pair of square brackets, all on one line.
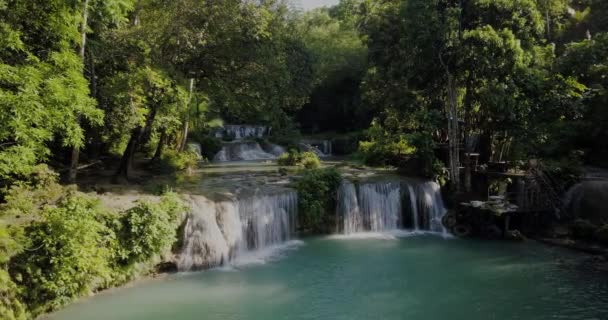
[(268, 254), (387, 235)]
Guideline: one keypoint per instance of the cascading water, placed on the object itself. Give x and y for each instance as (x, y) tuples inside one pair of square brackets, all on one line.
[(432, 204), (414, 206), (238, 132), (245, 151), (268, 220), (381, 206), (348, 208), (217, 233)]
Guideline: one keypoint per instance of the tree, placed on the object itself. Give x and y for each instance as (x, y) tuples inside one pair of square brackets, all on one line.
[(42, 90), (106, 12)]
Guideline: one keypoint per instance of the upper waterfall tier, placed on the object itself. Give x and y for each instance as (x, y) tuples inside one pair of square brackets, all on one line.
[(251, 150), (239, 132), (390, 205), (216, 233)]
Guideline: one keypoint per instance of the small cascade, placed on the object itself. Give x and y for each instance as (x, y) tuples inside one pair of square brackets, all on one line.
[(586, 200), (217, 233), (245, 151), (239, 132), (268, 220), (322, 148), (274, 149), (348, 207), (390, 205), (430, 200), (414, 206)]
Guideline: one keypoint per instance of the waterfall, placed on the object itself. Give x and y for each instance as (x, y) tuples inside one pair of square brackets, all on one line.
[(245, 151), (586, 200), (239, 132), (348, 207), (274, 149), (414, 206), (380, 206), (217, 233), (432, 205), (268, 220)]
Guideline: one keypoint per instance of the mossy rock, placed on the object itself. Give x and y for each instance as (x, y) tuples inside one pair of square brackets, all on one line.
[(462, 230), (515, 235), (449, 220)]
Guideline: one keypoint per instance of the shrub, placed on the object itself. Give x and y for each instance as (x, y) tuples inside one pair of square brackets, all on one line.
[(317, 199), (68, 253), (308, 160), (395, 151), (10, 306), (148, 229), (411, 153), (290, 158), (173, 161)]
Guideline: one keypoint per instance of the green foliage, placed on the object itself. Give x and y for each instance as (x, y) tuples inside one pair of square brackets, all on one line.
[(410, 151), (43, 92), (58, 244), (148, 229), (173, 161), (587, 60), (10, 306), (308, 160), (339, 61), (67, 253), (317, 191), (385, 149)]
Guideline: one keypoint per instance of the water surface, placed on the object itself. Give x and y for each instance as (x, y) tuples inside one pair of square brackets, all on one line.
[(421, 277)]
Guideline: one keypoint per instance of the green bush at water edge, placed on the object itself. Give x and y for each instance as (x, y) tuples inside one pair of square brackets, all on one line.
[(62, 244), (174, 161), (317, 191), (308, 160)]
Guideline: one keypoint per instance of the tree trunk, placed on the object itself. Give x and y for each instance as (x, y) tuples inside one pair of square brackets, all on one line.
[(453, 132), (159, 148), (137, 137), (182, 145), (83, 34), (127, 156), (147, 129)]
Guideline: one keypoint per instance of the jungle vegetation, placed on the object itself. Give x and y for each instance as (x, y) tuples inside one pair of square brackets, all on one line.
[(119, 82)]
